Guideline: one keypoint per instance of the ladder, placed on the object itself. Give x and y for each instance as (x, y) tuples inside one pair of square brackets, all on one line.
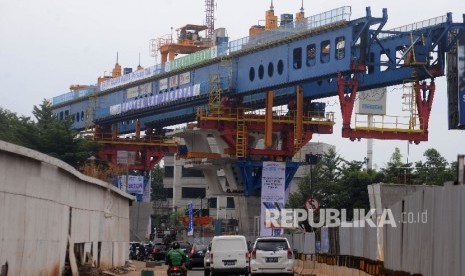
[(298, 139), (241, 133), (90, 112), (409, 102)]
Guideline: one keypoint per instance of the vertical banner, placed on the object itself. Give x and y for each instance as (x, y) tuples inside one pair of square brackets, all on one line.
[(147, 190), (461, 79), (123, 183), (273, 193), (190, 226)]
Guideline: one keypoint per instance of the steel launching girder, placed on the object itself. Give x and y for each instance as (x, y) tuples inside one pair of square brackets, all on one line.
[(142, 153)]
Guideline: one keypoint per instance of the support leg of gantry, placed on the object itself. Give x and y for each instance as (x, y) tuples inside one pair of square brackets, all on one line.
[(346, 100), (424, 94)]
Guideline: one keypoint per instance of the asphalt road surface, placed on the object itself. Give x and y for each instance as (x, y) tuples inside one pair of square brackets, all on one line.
[(159, 270), (195, 272)]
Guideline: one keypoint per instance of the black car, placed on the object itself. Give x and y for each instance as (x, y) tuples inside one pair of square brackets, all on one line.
[(182, 245), (195, 256), (159, 252)]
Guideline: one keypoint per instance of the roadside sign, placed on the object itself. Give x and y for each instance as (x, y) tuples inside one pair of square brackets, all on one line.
[(312, 204)]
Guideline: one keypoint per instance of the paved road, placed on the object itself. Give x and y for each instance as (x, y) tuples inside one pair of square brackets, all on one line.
[(195, 272), (159, 270)]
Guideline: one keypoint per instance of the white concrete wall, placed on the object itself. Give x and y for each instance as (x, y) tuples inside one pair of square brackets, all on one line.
[(42, 200), (430, 241)]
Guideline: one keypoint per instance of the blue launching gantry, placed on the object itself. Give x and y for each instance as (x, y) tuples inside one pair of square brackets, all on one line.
[(233, 87)]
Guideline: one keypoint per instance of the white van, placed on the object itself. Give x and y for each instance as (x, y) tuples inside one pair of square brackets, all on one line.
[(229, 255)]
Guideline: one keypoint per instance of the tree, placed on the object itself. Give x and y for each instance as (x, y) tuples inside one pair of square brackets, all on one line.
[(159, 198), (57, 138), (158, 190), (321, 182), (17, 130), (434, 171), (354, 184), (395, 168), (330, 165)]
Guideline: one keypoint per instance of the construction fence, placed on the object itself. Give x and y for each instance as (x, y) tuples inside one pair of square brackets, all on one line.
[(424, 236)]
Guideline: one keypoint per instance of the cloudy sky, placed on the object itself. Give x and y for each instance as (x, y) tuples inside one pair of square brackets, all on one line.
[(48, 45)]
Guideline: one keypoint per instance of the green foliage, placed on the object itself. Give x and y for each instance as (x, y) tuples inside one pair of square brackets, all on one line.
[(158, 191), (47, 135), (342, 184), (435, 170), (17, 130), (354, 184), (396, 171), (321, 182)]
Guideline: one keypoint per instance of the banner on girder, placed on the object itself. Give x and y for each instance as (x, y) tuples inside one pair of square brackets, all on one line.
[(273, 194)]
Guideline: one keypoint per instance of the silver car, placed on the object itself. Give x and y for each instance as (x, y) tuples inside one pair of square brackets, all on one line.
[(206, 261)]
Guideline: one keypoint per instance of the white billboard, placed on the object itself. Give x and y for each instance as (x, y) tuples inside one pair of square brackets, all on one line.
[(135, 184), (125, 157), (372, 102)]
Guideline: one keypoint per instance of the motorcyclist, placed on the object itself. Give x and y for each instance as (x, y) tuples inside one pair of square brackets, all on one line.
[(176, 257), (149, 251), (133, 252)]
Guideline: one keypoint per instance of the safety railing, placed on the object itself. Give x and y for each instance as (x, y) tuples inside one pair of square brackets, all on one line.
[(291, 29), (388, 123), (414, 26)]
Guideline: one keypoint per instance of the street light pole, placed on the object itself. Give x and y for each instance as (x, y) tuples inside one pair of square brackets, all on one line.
[(174, 182), (201, 215)]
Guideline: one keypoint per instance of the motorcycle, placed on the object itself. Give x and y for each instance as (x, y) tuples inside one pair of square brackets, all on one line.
[(174, 271), (141, 255), (133, 254)]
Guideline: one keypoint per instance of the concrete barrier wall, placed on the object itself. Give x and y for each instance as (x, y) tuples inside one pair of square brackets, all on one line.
[(302, 242), (43, 201)]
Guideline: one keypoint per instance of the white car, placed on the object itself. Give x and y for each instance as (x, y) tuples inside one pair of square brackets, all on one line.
[(272, 255), (229, 255)]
